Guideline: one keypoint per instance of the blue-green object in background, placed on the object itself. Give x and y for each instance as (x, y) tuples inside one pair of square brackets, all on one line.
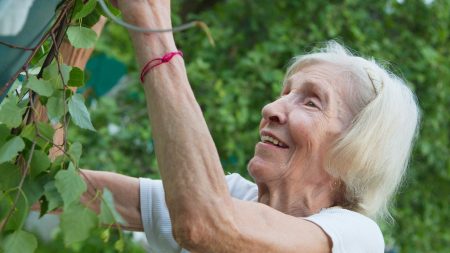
[(38, 22), (103, 72)]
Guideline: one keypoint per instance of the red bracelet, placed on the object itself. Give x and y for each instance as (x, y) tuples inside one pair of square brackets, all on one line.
[(158, 61)]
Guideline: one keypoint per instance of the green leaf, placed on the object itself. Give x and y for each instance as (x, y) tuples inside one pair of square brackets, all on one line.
[(86, 10), (20, 241), (91, 19), (114, 10), (81, 37), (119, 245), (76, 222), (55, 107), (20, 212), (69, 185), (79, 112), (39, 162), (4, 133), (34, 188), (45, 130), (10, 176), (75, 151), (10, 112), (108, 213), (53, 197), (105, 235), (40, 86), (43, 206), (52, 74), (11, 149), (76, 77)]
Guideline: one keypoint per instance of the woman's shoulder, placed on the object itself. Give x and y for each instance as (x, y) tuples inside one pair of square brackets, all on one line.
[(349, 231)]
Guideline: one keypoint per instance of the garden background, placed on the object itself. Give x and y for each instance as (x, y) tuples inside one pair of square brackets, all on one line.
[(254, 41)]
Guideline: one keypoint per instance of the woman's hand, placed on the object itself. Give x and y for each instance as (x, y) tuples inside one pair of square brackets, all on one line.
[(153, 14), (145, 12)]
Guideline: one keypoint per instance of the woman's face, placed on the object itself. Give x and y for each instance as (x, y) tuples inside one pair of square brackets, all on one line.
[(298, 128)]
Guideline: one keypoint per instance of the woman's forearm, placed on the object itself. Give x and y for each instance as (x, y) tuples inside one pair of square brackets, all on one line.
[(125, 191), (189, 163)]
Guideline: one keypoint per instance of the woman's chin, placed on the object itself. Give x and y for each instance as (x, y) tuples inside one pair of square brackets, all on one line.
[(260, 169)]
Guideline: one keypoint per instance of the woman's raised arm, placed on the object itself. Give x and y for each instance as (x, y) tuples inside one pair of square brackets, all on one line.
[(189, 163), (204, 216)]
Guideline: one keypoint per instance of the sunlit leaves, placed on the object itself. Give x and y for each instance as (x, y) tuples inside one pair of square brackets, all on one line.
[(81, 37), (79, 112), (70, 185), (10, 112), (40, 86), (76, 222), (10, 149), (20, 241)]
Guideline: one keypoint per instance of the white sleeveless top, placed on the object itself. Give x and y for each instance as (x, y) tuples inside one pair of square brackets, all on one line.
[(349, 231)]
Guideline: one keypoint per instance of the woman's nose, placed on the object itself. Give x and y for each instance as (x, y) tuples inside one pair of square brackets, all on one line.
[(274, 112)]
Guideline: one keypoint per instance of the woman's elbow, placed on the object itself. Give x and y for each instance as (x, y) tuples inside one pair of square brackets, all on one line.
[(189, 233)]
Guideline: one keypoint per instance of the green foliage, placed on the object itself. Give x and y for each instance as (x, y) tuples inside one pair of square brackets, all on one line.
[(57, 74), (27, 173), (41, 87), (69, 185), (10, 176), (11, 148), (41, 132), (85, 9), (11, 112), (79, 112), (254, 42), (76, 77), (81, 37), (76, 223), (52, 196), (232, 81), (108, 214), (20, 241), (55, 107), (39, 162)]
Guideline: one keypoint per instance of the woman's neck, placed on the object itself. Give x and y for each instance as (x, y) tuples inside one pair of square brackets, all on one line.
[(297, 197)]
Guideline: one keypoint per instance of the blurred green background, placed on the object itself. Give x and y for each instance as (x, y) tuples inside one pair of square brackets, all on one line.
[(232, 81)]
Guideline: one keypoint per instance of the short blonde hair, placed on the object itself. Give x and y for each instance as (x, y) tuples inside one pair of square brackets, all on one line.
[(371, 157)]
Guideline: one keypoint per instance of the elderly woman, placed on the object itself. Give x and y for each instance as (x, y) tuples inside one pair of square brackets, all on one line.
[(333, 149)]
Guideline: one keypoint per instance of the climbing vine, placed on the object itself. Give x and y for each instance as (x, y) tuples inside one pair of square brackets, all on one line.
[(36, 172)]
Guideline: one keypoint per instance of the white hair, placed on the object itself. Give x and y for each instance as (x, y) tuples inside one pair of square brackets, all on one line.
[(371, 156)]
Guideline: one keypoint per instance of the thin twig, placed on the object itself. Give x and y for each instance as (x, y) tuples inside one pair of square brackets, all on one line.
[(140, 29), (65, 125), (41, 42), (17, 47)]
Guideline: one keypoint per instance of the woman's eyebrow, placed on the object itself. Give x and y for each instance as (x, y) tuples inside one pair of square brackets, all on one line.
[(319, 88)]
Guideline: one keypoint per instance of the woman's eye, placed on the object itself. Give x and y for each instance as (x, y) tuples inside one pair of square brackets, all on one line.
[(311, 104)]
